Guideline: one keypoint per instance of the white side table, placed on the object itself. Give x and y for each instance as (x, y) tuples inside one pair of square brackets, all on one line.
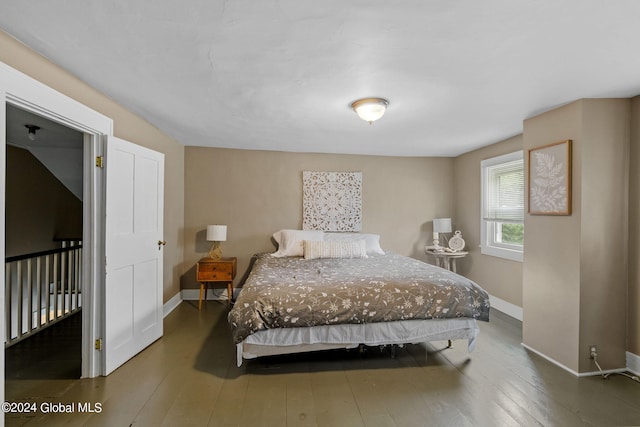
[(446, 259)]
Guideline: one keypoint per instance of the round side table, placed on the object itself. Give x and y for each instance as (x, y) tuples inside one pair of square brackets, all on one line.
[(446, 259)]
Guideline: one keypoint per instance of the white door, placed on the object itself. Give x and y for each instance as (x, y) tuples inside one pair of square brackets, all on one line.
[(133, 249)]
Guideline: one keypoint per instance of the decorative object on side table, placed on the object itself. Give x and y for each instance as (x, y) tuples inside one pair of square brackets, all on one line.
[(216, 234), (440, 225), (216, 271), (457, 243)]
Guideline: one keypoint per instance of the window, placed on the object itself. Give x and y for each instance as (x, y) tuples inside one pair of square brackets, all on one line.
[(502, 229)]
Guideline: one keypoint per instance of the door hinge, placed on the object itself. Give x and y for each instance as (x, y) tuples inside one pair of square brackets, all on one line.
[(99, 344), (99, 161)]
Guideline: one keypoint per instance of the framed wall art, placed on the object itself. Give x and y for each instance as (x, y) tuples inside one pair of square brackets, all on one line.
[(332, 201), (550, 179)]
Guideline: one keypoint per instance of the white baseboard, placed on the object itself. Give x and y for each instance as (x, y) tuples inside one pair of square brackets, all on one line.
[(633, 363), (194, 294), (171, 305), (558, 364), (571, 371), (191, 295), (506, 307), (548, 359)]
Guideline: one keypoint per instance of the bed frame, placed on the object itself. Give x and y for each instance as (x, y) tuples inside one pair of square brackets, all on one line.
[(317, 338)]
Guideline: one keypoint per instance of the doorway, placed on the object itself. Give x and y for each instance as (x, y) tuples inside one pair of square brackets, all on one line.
[(43, 247), (25, 93)]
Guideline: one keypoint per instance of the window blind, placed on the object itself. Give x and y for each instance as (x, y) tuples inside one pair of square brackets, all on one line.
[(505, 196)]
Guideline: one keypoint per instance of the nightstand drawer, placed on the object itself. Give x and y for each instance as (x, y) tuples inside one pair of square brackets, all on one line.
[(214, 276), (210, 271)]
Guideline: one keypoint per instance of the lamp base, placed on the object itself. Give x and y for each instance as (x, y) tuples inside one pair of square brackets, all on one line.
[(215, 252)]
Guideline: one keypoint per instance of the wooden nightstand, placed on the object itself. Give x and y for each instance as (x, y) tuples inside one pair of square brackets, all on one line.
[(216, 271)]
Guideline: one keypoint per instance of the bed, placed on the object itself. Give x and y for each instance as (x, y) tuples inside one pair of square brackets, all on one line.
[(320, 292)]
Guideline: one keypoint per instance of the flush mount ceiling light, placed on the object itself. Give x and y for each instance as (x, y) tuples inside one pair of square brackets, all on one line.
[(32, 131), (370, 109)]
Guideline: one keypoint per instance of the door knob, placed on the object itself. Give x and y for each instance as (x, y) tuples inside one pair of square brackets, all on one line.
[(161, 243)]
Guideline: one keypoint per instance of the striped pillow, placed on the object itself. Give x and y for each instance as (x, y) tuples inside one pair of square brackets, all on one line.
[(334, 249)]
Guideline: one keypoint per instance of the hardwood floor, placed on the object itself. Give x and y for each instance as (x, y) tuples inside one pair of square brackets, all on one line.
[(54, 353), (189, 378)]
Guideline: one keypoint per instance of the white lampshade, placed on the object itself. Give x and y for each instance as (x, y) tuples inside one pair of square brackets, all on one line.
[(370, 109), (442, 225), (217, 233)]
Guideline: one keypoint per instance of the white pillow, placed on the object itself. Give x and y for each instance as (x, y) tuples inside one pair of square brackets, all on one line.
[(334, 249), (372, 241), (290, 241)]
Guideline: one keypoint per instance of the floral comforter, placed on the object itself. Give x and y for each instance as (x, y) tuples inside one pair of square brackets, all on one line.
[(294, 292)]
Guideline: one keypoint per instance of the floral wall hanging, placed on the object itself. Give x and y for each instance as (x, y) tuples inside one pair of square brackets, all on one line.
[(550, 179), (332, 201)]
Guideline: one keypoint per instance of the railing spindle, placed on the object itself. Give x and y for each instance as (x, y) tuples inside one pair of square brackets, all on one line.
[(39, 291), (56, 272), (63, 283), (30, 295), (47, 283), (7, 298), (78, 271), (19, 300)]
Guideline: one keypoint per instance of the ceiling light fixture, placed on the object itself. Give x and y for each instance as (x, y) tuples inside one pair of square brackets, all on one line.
[(32, 131), (370, 109)]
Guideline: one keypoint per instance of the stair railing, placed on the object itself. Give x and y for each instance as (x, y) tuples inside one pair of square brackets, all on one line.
[(41, 289)]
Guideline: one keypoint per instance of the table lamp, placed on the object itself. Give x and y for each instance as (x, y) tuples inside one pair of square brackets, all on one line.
[(440, 225), (216, 234)]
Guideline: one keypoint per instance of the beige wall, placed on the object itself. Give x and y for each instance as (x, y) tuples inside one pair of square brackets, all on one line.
[(605, 213), (500, 277), (256, 193), (574, 271), (551, 268), (127, 126), (633, 307), (39, 208)]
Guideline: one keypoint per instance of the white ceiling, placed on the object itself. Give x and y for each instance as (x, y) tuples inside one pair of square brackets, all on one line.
[(280, 75)]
